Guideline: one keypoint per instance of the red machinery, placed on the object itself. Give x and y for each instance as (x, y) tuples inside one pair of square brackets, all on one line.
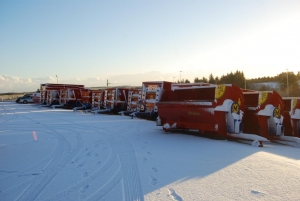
[(151, 93), (115, 100), (60, 95), (133, 100), (264, 116), (291, 120), (211, 109), (50, 94), (97, 101), (85, 101)]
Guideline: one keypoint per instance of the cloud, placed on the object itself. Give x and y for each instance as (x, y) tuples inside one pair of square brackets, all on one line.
[(10, 83)]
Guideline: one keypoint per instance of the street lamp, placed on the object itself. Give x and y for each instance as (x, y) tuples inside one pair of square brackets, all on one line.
[(287, 82), (56, 79)]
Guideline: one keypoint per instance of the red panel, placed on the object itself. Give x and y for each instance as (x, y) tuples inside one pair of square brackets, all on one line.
[(194, 107)]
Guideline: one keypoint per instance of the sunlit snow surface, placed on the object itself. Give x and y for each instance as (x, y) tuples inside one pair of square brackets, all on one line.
[(58, 154)]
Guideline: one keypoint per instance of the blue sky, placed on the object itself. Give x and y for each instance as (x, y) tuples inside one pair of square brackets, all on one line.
[(127, 42)]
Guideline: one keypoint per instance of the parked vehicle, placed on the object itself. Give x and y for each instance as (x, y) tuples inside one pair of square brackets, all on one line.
[(23, 98), (26, 99)]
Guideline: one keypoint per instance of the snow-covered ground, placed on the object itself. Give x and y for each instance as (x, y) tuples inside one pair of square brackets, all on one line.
[(58, 154)]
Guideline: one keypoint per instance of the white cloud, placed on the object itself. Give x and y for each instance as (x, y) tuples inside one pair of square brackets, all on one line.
[(10, 83)]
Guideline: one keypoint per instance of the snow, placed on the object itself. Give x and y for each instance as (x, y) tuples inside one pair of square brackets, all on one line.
[(58, 154)]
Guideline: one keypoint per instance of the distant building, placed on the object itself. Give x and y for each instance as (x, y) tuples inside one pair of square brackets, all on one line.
[(271, 85)]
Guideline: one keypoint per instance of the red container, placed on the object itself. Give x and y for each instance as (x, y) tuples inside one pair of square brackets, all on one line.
[(115, 99), (263, 113), (202, 108), (151, 93), (97, 99), (265, 116), (213, 109), (58, 94), (134, 98), (291, 120)]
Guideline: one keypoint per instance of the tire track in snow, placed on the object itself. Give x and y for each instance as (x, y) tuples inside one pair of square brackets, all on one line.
[(6, 114), (36, 184), (130, 174), (121, 148), (120, 168), (104, 174), (131, 179), (60, 157)]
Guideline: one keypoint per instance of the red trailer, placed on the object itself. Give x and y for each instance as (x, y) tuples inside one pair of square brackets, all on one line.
[(264, 116), (97, 101), (50, 94), (151, 93), (211, 109), (133, 99), (59, 95), (291, 120), (85, 100), (115, 100)]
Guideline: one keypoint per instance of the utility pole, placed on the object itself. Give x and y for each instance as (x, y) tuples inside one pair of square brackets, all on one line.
[(107, 83), (287, 82)]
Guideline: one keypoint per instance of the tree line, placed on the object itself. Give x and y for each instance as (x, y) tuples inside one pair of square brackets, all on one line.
[(285, 83)]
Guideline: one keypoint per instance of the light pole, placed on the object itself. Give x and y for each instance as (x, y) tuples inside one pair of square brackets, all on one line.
[(180, 76), (56, 79), (287, 82)]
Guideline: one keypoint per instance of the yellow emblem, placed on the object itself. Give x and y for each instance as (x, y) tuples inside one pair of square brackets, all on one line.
[(294, 103), (235, 108), (263, 96), (276, 112), (220, 91)]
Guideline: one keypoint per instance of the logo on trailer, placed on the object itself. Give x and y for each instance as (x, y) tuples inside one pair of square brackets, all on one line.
[(263, 96), (294, 103), (235, 108), (276, 112), (220, 91)]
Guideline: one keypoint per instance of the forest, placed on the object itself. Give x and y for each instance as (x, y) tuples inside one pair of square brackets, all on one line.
[(285, 83)]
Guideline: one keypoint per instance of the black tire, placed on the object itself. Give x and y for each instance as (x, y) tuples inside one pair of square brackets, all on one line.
[(25, 101)]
